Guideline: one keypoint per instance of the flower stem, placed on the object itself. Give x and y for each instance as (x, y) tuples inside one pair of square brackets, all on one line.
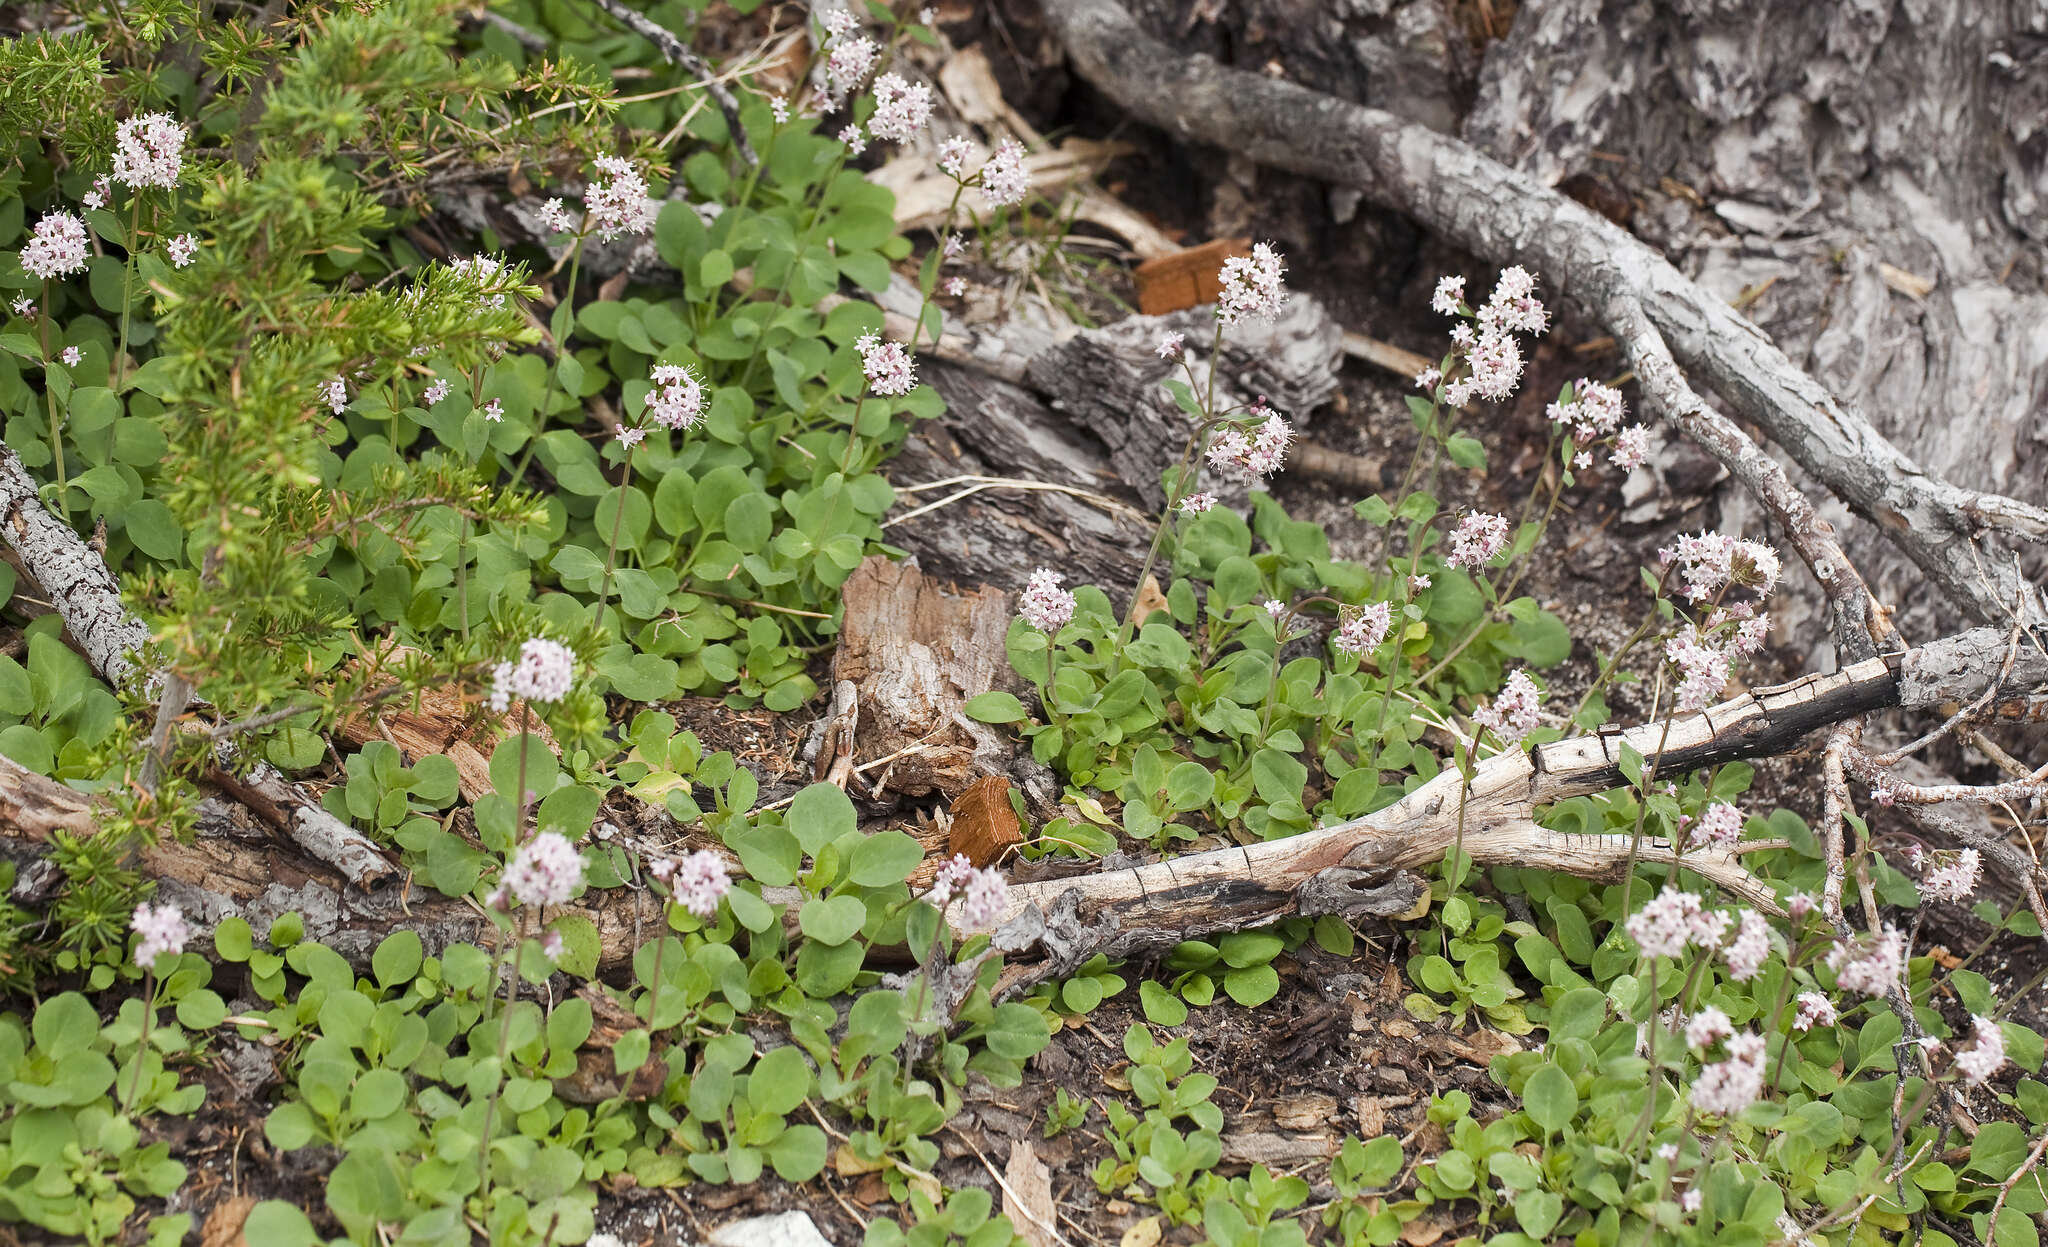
[(127, 285), (50, 398), (547, 396), (611, 553), (142, 1047)]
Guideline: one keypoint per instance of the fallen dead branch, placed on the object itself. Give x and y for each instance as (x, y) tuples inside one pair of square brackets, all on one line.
[(1355, 868), (1496, 212)]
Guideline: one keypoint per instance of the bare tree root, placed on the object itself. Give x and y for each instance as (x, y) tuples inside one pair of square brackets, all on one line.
[(1354, 868), (1501, 214)]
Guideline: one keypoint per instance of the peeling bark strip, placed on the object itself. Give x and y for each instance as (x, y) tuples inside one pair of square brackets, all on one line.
[(1352, 868), (76, 578), (1504, 215)]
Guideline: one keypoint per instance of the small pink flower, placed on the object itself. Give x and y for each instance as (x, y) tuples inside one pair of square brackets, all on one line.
[(1707, 1026), (149, 151), (1251, 286), (1986, 1053), (1449, 296), (181, 249), (701, 881), (1513, 713), (890, 370), (556, 218), (1044, 605), (1004, 178), (547, 870), (901, 109), (335, 392), (1813, 1010), (629, 437), (1418, 582), (953, 247), (1363, 628), (545, 672), (779, 107), (953, 153), (956, 286), (494, 411), (1747, 952), (162, 929), (1428, 379), (620, 205), (1196, 504), (435, 392), (953, 875), (1479, 537), (856, 142), (24, 307), (552, 946), (1171, 343), (56, 248), (71, 356), (1954, 880)]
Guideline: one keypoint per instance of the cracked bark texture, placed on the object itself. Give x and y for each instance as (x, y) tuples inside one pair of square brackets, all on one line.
[(71, 573), (1506, 215), (1883, 164)]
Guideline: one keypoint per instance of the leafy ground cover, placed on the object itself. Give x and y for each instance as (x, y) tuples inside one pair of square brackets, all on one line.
[(337, 465)]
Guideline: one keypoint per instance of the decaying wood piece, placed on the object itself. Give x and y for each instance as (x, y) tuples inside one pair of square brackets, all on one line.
[(916, 652), (992, 454), (1509, 217), (31, 807), (73, 576), (1355, 867), (1109, 381)]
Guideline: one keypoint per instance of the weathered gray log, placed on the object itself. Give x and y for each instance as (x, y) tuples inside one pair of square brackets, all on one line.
[(1504, 215), (1111, 381)]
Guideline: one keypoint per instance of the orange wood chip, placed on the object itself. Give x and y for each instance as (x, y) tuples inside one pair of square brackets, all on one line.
[(1186, 278), (984, 825)]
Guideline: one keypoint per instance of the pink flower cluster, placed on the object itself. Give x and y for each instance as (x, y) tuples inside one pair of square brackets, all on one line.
[(181, 249), (1478, 538), (1363, 628), (1250, 457), (984, 893), (1513, 712), (547, 870), (849, 55), (1196, 504), (555, 216), (1673, 919), (699, 882), (1711, 562), (1812, 1009), (1492, 356), (1747, 952), (1986, 1053), (1004, 178), (1719, 826), (1872, 966), (1702, 668), (621, 205), (545, 672), (901, 109), (482, 270), (162, 929), (1727, 1087), (57, 248), (149, 151), (1705, 1028), (1954, 880), (677, 399), (334, 392), (890, 370), (1044, 605), (1252, 286)]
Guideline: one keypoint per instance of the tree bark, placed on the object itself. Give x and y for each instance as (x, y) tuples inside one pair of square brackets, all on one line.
[(1506, 216)]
